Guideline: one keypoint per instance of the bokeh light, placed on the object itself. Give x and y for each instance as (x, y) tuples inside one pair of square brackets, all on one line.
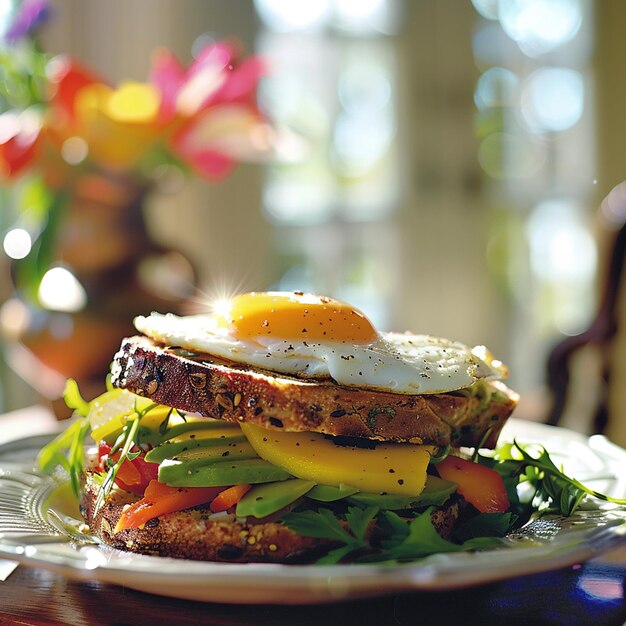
[(286, 15), (563, 258), (17, 243), (561, 247), (6, 9), (60, 290), (496, 87), (553, 99), (539, 26), (487, 8), (509, 156), (74, 150)]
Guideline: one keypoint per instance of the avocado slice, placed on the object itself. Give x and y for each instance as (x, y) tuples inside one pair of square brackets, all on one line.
[(220, 473), (263, 500), (330, 493), (175, 449), (436, 492), (148, 434)]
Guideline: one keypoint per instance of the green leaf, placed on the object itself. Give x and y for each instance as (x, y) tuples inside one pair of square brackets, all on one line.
[(165, 423), (321, 524), (359, 520), (130, 431), (73, 399), (48, 457), (336, 555), (393, 527), (423, 539)]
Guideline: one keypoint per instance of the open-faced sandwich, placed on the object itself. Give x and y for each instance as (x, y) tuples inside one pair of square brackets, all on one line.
[(283, 427)]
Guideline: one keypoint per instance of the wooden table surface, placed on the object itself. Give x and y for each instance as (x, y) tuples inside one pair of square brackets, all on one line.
[(589, 593)]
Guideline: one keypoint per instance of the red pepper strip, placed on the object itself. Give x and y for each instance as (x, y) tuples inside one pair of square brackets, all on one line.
[(132, 476), (127, 472), (229, 497), (479, 485), (160, 499)]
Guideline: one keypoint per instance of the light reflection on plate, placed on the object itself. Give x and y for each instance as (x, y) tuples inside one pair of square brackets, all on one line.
[(40, 527)]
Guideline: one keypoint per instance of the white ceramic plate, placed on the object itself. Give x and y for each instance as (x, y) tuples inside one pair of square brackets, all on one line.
[(38, 529)]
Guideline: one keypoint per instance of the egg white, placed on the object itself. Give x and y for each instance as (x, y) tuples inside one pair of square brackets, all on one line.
[(395, 362)]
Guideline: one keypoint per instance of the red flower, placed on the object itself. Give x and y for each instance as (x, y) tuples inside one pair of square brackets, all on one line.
[(67, 78)]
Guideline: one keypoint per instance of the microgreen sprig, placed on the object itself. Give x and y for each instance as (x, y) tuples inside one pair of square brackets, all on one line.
[(125, 442)]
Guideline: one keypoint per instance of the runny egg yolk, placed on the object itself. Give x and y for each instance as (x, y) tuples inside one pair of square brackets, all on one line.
[(296, 315)]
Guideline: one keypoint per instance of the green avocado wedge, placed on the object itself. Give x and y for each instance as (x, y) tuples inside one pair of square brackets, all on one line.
[(221, 473), (263, 500), (176, 449), (436, 492), (329, 493), (201, 427)]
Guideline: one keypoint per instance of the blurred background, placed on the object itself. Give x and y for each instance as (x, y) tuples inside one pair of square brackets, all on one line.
[(441, 165)]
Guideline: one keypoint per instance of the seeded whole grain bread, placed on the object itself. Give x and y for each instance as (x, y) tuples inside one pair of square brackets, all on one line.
[(214, 387), (197, 534)]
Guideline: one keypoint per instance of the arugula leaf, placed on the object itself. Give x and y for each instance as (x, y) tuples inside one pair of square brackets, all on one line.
[(324, 525), (321, 524), (392, 527), (551, 484), (422, 540), (336, 555), (359, 520), (402, 540)]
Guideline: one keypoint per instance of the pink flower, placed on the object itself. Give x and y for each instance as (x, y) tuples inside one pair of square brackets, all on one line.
[(215, 103), (212, 142), (214, 77)]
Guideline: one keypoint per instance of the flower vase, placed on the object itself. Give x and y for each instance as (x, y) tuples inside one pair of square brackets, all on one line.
[(102, 269)]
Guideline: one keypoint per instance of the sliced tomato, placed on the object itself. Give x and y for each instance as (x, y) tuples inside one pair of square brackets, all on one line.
[(229, 497), (479, 485), (160, 499), (133, 476)]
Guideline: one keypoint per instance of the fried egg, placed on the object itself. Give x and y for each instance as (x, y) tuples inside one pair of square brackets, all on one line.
[(316, 337)]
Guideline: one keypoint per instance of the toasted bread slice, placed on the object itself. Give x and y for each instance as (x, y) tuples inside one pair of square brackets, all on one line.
[(217, 388), (194, 533), (200, 535)]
